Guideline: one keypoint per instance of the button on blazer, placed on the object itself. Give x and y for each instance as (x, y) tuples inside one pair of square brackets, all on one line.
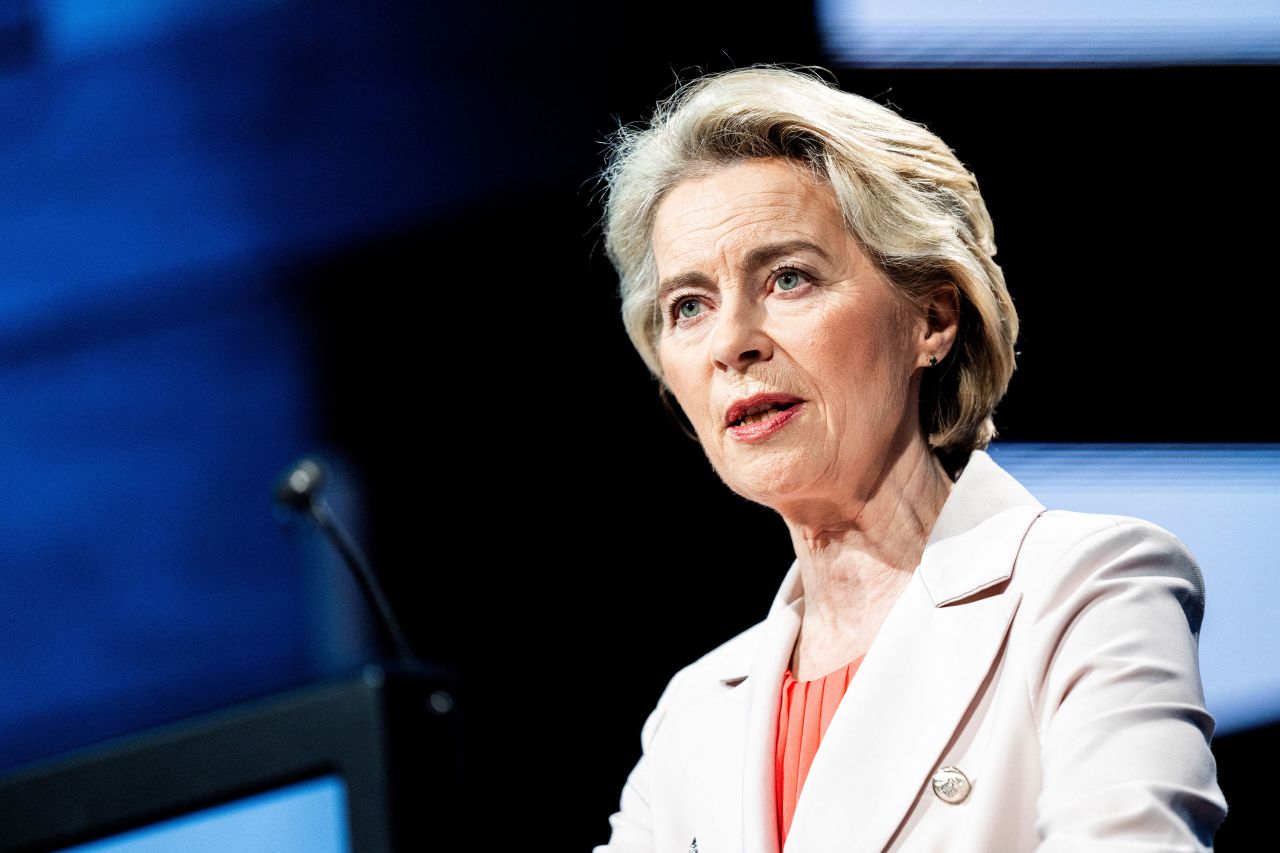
[(1036, 687)]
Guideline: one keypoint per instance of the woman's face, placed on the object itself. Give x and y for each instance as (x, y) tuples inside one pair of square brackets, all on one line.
[(770, 304)]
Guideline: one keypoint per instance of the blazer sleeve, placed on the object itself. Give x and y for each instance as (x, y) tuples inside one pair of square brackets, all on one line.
[(631, 826), (1117, 697)]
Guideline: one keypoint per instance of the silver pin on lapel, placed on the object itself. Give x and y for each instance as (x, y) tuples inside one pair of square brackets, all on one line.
[(951, 785)]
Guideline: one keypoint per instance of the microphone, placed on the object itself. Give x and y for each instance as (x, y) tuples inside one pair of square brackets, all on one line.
[(300, 491), (301, 486)]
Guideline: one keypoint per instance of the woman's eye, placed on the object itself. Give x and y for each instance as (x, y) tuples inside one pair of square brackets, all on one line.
[(688, 308), (789, 281)]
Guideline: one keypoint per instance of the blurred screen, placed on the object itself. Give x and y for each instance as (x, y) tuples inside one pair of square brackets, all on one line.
[(309, 817), (1223, 502), (905, 33)]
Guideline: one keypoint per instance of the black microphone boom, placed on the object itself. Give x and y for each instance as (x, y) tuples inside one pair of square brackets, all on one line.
[(300, 490)]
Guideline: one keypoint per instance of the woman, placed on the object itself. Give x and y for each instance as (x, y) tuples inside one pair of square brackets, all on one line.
[(811, 277)]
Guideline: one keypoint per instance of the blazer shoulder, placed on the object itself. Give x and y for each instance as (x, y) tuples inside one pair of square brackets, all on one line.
[(1060, 533), (1065, 549), (724, 666), (1067, 526)]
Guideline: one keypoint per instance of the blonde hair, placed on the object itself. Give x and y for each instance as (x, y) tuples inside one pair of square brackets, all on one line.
[(911, 204)]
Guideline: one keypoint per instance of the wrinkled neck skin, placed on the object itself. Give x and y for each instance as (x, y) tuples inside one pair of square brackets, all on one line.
[(857, 552)]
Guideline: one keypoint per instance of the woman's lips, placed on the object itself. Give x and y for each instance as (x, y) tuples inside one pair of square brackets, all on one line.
[(768, 424), (758, 403)]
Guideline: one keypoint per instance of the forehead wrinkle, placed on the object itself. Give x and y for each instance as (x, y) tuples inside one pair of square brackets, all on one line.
[(737, 232), (726, 226), (743, 204), (743, 219)]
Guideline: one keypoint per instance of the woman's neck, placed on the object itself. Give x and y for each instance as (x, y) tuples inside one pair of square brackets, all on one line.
[(856, 557)]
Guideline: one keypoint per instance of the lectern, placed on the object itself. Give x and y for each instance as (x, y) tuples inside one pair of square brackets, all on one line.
[(369, 763)]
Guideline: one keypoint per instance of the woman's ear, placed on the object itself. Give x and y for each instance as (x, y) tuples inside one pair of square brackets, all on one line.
[(942, 323)]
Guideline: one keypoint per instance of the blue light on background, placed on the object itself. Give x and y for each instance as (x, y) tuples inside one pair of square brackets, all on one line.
[(934, 33), (136, 534), (174, 176), (1223, 501), (308, 817), (165, 168), (73, 28)]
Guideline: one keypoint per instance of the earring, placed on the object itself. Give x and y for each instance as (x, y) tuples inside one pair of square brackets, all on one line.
[(933, 361)]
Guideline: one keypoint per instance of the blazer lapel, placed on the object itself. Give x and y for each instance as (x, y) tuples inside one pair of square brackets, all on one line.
[(733, 734), (764, 683), (919, 677)]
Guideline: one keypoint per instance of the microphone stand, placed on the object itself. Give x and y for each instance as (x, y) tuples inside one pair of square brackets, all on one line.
[(301, 490)]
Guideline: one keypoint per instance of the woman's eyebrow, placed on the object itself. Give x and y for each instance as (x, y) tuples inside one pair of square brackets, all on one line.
[(758, 257), (770, 252), (693, 278)]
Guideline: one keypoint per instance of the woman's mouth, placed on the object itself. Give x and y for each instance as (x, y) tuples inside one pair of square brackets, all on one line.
[(759, 416)]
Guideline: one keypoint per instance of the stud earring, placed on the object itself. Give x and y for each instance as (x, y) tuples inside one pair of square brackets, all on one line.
[(933, 361)]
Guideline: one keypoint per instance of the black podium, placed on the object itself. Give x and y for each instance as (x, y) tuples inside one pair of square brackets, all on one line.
[(372, 761)]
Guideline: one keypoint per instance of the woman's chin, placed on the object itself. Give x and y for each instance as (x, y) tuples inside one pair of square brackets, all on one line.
[(770, 486)]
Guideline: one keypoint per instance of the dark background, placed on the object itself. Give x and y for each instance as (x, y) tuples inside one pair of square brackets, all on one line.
[(416, 265)]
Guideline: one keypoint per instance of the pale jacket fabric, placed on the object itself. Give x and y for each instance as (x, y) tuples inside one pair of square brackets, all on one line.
[(1050, 656)]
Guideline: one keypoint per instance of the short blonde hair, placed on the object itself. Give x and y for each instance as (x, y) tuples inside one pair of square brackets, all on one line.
[(911, 204)]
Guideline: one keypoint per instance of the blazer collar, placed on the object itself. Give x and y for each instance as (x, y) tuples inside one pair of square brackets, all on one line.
[(933, 631), (977, 535), (971, 545), (970, 548)]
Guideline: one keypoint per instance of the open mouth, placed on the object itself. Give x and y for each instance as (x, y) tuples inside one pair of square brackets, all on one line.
[(759, 409), (760, 413)]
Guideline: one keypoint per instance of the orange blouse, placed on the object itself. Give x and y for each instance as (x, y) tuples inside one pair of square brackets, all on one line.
[(806, 711)]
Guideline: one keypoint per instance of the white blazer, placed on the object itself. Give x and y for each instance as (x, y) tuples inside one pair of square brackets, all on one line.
[(1041, 668)]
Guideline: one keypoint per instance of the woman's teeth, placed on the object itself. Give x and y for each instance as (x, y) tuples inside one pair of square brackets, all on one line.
[(755, 419)]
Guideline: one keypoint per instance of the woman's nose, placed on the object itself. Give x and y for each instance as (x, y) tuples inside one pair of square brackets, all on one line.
[(739, 338)]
